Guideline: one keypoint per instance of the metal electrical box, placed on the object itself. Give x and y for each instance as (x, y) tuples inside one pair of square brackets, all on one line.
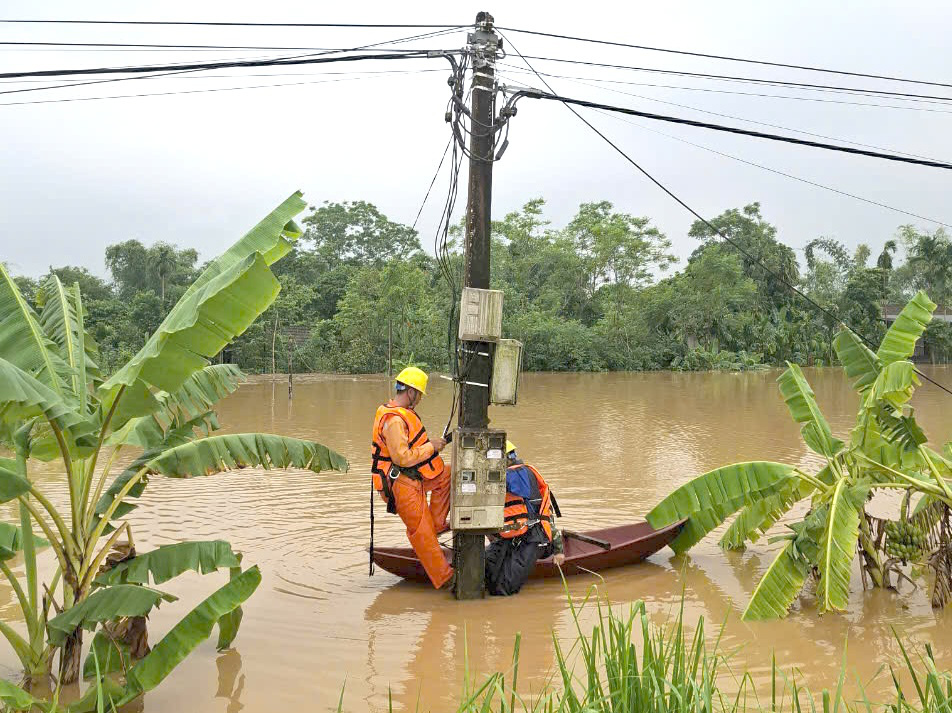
[(480, 315), (479, 479), (505, 379)]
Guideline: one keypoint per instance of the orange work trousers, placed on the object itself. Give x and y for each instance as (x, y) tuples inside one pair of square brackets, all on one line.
[(424, 521)]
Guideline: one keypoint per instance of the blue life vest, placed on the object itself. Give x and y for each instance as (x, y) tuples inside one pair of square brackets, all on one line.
[(520, 481)]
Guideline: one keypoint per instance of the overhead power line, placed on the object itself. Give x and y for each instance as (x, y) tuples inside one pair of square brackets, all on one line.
[(536, 94), (128, 45), (914, 105), (366, 75), (231, 24), (751, 80), (179, 67), (728, 58), (586, 81), (810, 88), (228, 64), (737, 246), (776, 171), (284, 48)]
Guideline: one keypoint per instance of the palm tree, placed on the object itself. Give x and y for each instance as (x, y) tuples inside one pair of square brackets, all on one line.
[(162, 259), (884, 261), (933, 255)]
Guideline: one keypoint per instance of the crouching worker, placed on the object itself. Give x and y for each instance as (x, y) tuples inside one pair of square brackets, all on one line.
[(406, 467), (530, 532)]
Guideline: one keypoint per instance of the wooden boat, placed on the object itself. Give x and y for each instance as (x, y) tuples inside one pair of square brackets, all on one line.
[(627, 544)]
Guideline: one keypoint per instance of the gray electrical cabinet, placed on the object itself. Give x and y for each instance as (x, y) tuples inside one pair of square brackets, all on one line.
[(480, 315), (505, 379), (479, 479)]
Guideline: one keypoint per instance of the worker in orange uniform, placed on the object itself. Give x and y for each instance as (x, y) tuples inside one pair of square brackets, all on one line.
[(406, 466)]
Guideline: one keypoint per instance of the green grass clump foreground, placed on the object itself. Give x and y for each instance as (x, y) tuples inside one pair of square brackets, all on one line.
[(629, 665)]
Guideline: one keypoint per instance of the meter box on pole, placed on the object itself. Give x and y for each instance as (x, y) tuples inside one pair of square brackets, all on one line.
[(507, 362), (480, 315), (479, 479)]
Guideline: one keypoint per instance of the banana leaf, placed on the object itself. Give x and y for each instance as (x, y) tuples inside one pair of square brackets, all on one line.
[(105, 605), (61, 317), (215, 454), (24, 343), (708, 500), (900, 340), (903, 431), (200, 325), (169, 561), (206, 456), (16, 699), (12, 484), (893, 387), (11, 541), (193, 400), (225, 299), (779, 586), (838, 545), (185, 636), (859, 362), (22, 397), (106, 656), (801, 401), (273, 238), (758, 517)]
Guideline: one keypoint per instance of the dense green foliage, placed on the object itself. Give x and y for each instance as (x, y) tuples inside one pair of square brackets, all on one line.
[(596, 294)]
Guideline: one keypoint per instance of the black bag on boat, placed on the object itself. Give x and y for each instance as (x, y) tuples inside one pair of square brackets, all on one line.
[(509, 562)]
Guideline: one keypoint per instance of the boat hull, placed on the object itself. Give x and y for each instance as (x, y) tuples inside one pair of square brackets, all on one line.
[(630, 544)]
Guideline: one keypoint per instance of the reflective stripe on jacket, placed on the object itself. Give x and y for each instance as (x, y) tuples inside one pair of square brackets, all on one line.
[(416, 435), (519, 518)]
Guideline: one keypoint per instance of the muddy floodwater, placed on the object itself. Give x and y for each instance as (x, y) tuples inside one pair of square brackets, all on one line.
[(611, 446)]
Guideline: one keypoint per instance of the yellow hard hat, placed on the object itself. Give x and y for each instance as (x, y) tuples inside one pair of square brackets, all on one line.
[(414, 378), (510, 447)]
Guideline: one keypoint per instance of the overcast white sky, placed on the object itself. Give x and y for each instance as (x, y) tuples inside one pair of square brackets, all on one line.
[(199, 169)]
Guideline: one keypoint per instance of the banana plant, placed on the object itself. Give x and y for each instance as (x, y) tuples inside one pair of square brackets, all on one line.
[(55, 404), (886, 450)]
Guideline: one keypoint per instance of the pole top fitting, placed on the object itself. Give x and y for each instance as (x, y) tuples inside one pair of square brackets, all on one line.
[(484, 21)]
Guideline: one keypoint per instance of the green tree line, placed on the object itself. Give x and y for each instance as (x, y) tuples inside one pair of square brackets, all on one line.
[(600, 293)]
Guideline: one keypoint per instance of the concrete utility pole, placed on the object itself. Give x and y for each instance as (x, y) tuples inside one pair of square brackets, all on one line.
[(469, 547)]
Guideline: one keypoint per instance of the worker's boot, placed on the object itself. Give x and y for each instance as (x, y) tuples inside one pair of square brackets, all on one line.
[(450, 584)]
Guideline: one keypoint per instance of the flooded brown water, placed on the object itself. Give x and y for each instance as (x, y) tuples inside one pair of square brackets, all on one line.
[(611, 445)]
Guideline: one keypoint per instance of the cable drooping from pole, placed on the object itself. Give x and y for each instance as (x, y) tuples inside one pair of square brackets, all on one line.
[(737, 246), (535, 94), (430, 188)]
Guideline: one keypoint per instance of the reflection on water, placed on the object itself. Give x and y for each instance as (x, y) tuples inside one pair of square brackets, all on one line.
[(612, 445)]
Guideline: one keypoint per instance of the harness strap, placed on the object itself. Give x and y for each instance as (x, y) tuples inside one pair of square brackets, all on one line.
[(417, 437), (371, 528)]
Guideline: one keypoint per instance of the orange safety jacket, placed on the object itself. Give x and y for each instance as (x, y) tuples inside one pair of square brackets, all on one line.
[(382, 465), (516, 514)]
